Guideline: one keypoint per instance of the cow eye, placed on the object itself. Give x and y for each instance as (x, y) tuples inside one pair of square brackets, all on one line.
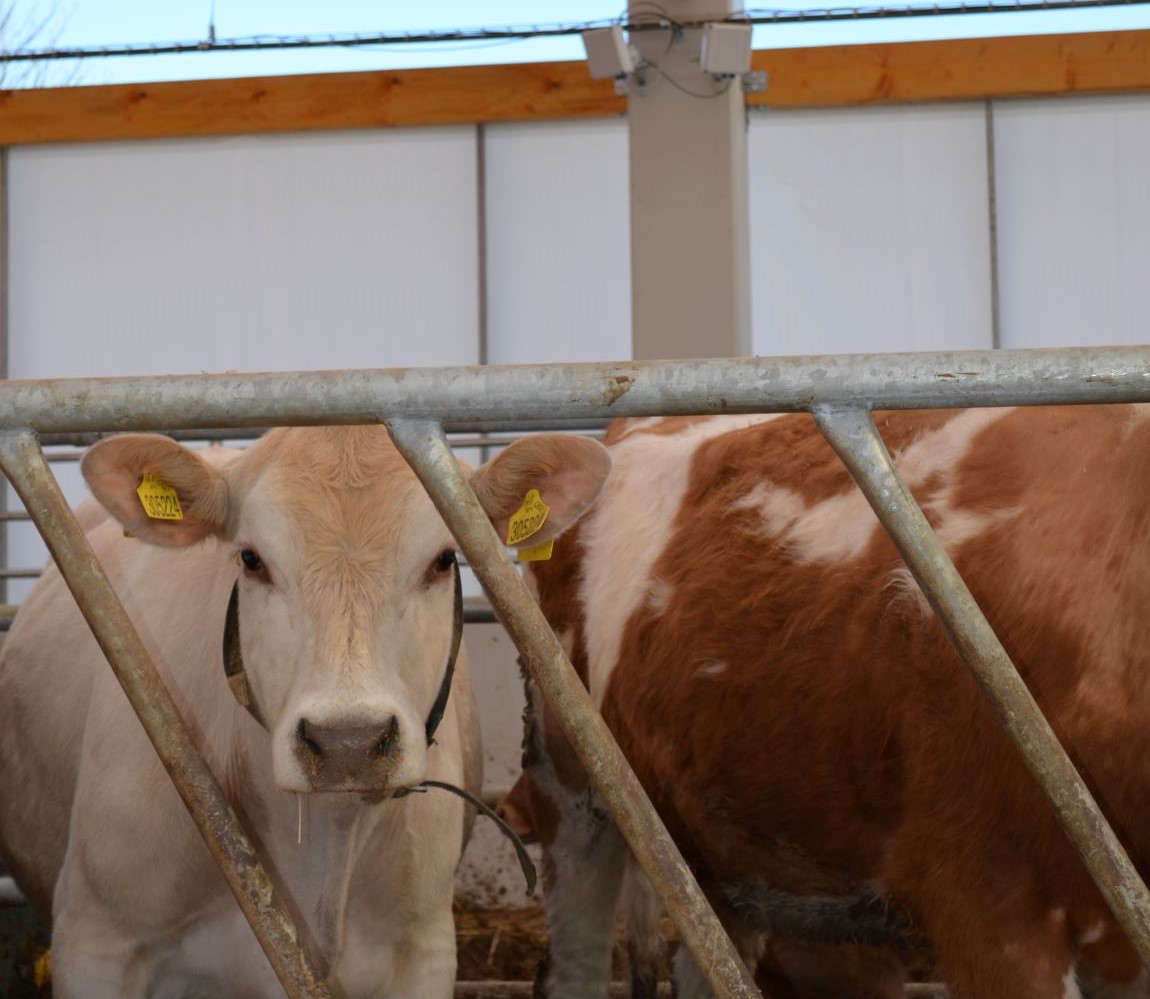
[(444, 560), (251, 561)]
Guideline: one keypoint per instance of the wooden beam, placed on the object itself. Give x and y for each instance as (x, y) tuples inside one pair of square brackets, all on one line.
[(829, 76), (956, 70), (307, 102)]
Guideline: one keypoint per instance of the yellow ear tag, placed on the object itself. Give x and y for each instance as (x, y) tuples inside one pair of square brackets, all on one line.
[(538, 553), (527, 520), (161, 502)]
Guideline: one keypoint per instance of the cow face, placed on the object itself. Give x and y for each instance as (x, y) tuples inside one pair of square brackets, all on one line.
[(344, 578)]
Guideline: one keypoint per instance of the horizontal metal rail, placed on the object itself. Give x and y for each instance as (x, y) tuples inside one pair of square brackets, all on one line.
[(622, 990), (529, 395), (416, 401)]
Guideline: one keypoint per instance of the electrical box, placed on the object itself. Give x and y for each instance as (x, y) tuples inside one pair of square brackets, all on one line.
[(726, 48), (607, 53)]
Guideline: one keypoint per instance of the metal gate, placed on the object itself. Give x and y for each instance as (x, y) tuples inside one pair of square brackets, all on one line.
[(415, 404)]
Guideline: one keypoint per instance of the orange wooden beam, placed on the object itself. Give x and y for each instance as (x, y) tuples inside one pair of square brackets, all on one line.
[(957, 70), (302, 103), (965, 69)]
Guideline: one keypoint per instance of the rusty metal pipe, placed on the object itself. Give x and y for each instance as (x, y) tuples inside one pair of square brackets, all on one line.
[(24, 464), (426, 449), (853, 435)]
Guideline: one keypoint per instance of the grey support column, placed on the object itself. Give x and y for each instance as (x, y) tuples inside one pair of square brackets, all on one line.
[(690, 244)]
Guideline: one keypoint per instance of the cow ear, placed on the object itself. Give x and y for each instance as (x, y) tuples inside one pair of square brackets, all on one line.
[(187, 498), (568, 473)]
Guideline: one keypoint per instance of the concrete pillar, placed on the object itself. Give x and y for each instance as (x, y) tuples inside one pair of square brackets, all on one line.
[(690, 245)]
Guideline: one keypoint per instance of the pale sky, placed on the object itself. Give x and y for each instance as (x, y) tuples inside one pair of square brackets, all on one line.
[(111, 22)]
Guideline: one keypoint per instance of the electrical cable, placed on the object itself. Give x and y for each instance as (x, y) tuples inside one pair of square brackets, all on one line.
[(759, 16)]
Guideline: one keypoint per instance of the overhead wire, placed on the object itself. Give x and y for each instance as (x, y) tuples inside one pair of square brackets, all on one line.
[(756, 16)]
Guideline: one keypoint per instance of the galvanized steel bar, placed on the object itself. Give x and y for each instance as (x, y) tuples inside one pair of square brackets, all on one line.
[(25, 465), (853, 435), (525, 393), (426, 449)]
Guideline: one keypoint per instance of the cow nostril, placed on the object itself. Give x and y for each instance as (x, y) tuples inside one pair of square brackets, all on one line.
[(386, 741), (306, 741)]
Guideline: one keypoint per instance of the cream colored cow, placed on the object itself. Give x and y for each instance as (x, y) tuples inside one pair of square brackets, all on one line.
[(343, 577)]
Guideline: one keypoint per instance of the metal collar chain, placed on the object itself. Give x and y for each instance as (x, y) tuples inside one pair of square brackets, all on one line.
[(435, 716)]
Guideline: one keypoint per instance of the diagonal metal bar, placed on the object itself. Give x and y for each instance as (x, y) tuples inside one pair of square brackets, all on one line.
[(24, 464), (426, 449), (853, 435)]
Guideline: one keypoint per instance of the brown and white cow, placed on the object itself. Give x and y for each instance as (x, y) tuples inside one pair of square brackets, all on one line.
[(805, 728), (343, 574)]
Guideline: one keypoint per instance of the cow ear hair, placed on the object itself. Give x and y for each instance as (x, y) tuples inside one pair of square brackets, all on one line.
[(115, 468), (567, 471)]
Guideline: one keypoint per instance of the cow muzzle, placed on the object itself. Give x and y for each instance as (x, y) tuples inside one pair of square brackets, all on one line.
[(348, 757)]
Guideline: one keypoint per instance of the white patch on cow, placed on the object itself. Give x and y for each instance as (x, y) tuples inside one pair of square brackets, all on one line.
[(712, 668), (649, 477), (835, 530), (841, 528), (567, 640), (638, 423), (1070, 989), (960, 526), (1093, 934), (659, 595)]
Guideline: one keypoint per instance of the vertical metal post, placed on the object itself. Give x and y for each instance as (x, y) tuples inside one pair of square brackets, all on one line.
[(853, 435), (25, 465), (5, 352), (992, 228), (422, 443)]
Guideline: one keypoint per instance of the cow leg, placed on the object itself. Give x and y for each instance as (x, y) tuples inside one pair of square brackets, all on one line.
[(644, 931), (582, 878), (583, 861), (89, 960), (429, 959)]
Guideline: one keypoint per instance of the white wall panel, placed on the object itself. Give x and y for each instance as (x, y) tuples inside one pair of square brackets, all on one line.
[(269, 253), (252, 254), (1074, 220), (869, 230), (558, 242)]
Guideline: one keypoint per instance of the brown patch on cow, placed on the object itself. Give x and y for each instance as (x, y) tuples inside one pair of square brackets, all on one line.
[(514, 808)]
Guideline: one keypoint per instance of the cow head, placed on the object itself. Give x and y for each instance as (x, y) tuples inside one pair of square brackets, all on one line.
[(344, 577)]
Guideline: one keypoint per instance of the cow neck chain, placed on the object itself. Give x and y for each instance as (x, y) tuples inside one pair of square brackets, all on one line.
[(237, 678)]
